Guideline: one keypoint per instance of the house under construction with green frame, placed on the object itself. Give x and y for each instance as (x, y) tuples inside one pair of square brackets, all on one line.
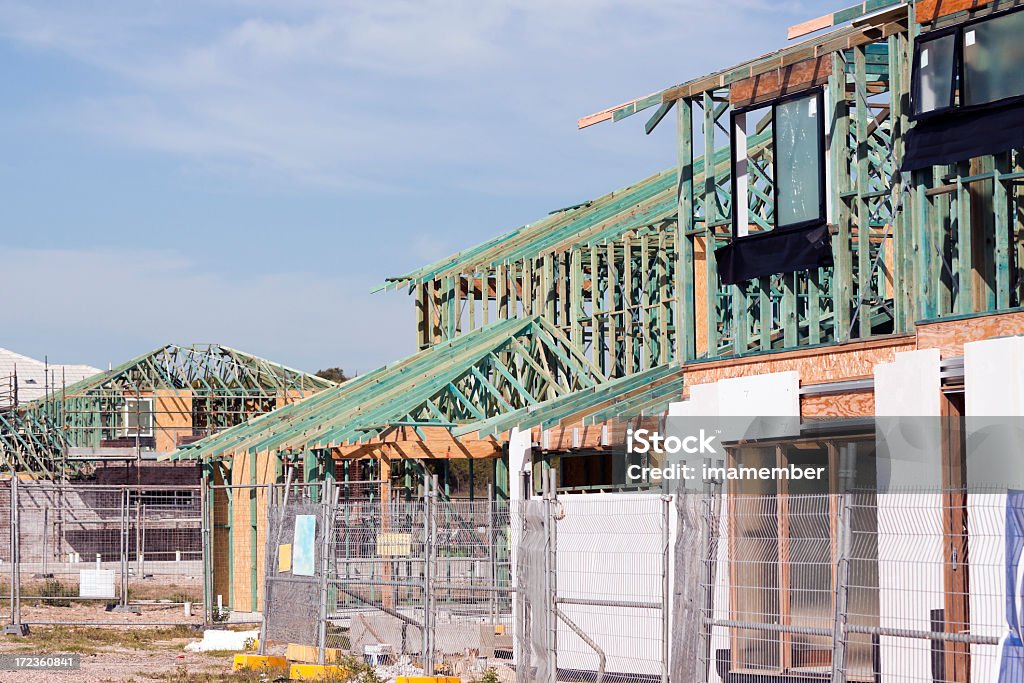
[(809, 232), (145, 407)]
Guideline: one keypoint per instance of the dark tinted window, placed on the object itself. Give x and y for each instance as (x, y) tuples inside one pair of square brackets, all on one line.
[(993, 53), (935, 74), (799, 159)]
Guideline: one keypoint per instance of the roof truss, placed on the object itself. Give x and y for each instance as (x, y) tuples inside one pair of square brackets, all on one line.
[(505, 367)]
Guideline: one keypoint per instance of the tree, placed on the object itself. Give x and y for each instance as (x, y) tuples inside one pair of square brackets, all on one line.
[(334, 374)]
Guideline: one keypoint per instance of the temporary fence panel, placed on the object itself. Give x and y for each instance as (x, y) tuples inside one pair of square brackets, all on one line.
[(428, 580), (612, 592), (296, 544), (81, 547), (857, 586), (470, 578)]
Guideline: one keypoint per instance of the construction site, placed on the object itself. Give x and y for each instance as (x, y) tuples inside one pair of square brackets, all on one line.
[(836, 262)]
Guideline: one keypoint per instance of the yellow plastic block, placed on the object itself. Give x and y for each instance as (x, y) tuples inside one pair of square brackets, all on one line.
[(315, 672), (308, 654), (428, 679), (258, 662)]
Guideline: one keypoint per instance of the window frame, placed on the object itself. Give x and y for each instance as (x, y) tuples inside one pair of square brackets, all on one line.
[(127, 430), (819, 94), (915, 81), (959, 70), (833, 443)]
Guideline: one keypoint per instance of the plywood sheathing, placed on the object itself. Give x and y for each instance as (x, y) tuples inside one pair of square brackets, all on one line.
[(927, 11), (221, 539), (835, 363), (172, 417), (243, 500), (855, 404), (950, 336), (781, 81)]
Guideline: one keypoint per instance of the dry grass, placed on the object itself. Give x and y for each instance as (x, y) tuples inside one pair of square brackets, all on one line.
[(92, 640), (183, 675)]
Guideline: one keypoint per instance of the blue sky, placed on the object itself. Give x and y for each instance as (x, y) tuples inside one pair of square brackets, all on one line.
[(245, 171)]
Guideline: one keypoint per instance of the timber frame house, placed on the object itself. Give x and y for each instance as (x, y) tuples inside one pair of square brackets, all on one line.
[(829, 248)]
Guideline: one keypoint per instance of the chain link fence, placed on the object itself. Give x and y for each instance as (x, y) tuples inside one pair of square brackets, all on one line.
[(99, 554)]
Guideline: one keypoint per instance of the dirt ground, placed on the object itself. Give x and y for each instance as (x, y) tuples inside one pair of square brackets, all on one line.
[(140, 654)]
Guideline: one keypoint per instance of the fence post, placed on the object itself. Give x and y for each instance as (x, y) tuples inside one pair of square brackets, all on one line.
[(140, 540), (429, 534), (46, 528), (666, 507), (205, 534), (492, 568), (122, 605), (839, 632), (15, 628), (328, 503), (551, 495), (522, 645)]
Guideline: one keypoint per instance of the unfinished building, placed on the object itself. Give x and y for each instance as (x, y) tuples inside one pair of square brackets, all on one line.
[(840, 240)]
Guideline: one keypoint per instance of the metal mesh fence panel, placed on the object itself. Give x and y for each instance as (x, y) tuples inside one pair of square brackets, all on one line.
[(470, 578), (376, 582), (855, 587), (612, 576), (533, 613), (296, 541), (82, 547), (930, 573), (846, 587)]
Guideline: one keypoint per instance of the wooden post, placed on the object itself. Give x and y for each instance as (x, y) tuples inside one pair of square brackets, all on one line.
[(686, 338), (842, 279)]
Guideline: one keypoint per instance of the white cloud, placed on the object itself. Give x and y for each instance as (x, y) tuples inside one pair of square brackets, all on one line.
[(107, 305), (372, 95)]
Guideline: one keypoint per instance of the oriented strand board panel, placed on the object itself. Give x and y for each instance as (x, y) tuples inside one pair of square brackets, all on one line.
[(172, 416), (700, 294), (838, 406), (245, 501), (949, 337), (291, 396), (930, 10), (833, 363), (221, 540), (782, 81)]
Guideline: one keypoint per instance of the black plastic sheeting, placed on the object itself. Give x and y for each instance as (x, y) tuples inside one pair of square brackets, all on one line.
[(776, 251), (959, 136)]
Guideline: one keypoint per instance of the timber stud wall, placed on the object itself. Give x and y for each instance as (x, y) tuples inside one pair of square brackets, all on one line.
[(612, 295), (632, 280)]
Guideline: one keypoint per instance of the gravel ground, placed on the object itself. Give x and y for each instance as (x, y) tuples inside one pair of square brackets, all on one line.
[(150, 654), (122, 665)]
